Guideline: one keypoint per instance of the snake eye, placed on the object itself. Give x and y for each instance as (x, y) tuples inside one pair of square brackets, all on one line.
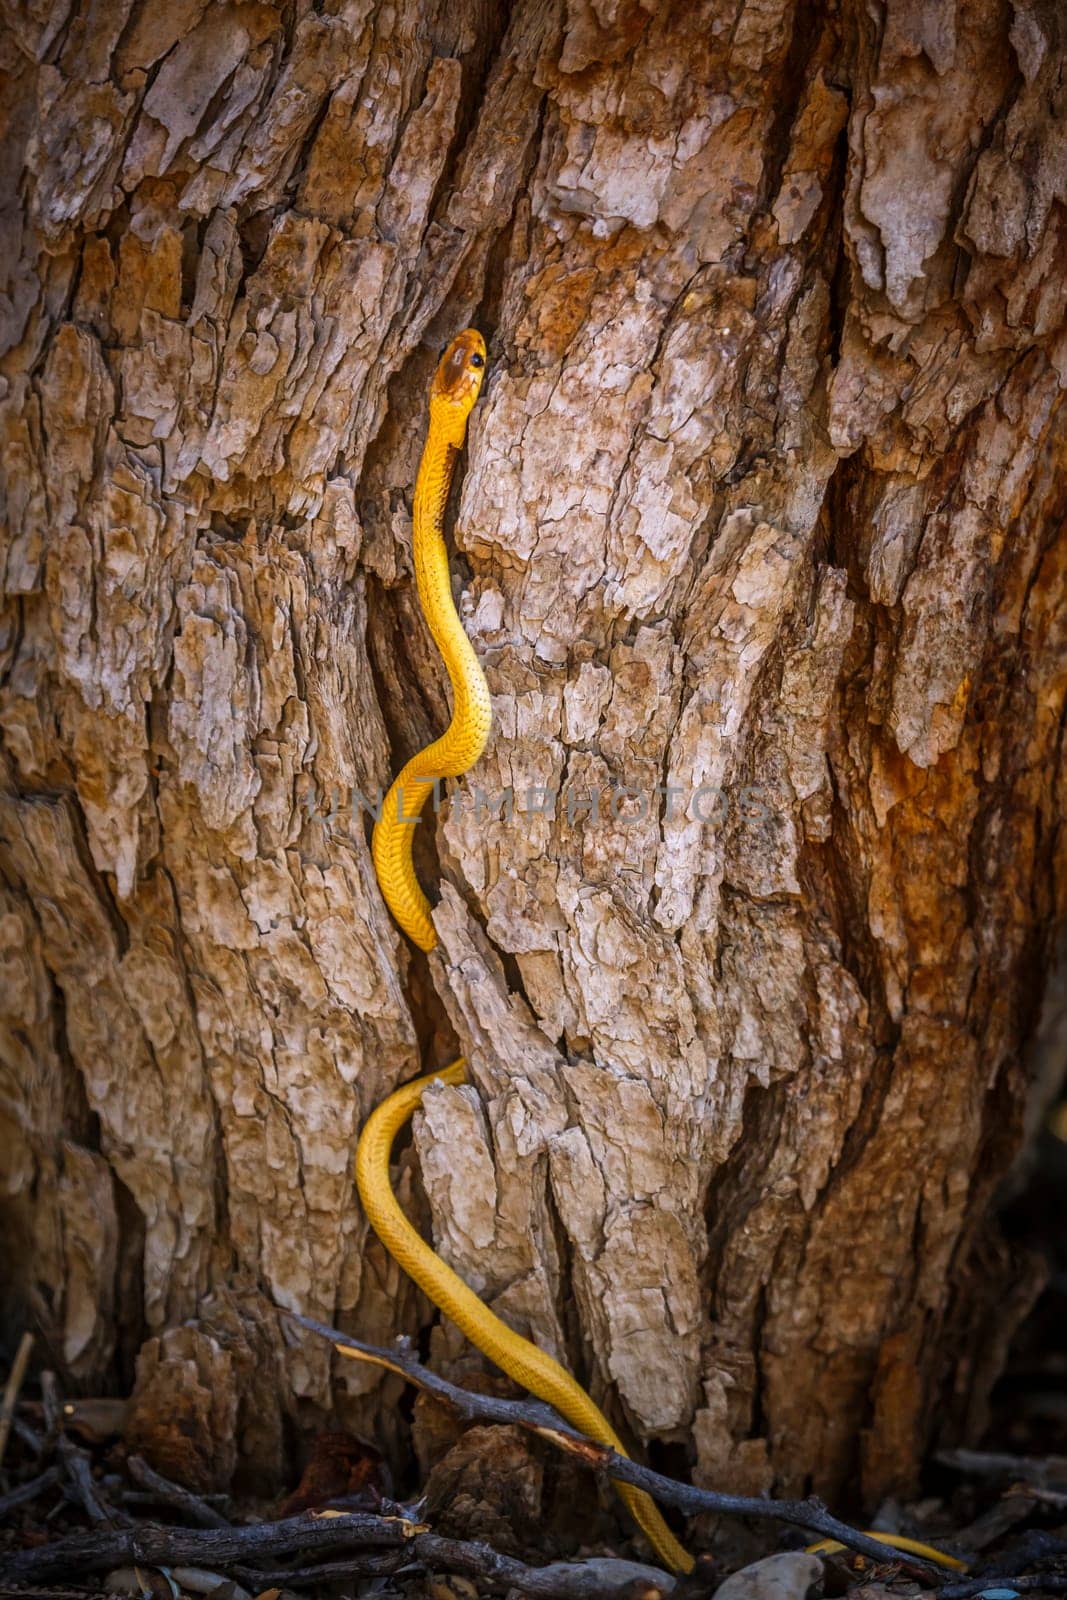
[(477, 360)]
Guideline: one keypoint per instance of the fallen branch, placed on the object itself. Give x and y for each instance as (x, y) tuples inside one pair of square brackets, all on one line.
[(1057, 1498), (810, 1514), (76, 1461), (383, 1545), (28, 1491), (150, 1544), (561, 1580), (172, 1494), (29, 1436), (79, 1469), (1008, 1570), (607, 1579), (369, 1565), (1043, 1472)]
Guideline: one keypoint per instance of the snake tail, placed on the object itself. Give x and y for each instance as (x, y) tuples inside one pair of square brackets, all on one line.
[(534, 1369)]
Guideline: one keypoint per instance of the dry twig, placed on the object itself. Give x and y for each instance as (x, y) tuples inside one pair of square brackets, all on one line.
[(11, 1388), (28, 1491), (368, 1564), (561, 1580), (150, 1545), (388, 1543), (1008, 1570), (1042, 1472), (172, 1494), (810, 1514), (76, 1462), (29, 1436)]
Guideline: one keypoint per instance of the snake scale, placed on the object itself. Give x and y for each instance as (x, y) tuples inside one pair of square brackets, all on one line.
[(455, 388)]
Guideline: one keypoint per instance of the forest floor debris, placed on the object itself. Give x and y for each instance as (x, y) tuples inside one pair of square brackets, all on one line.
[(91, 1519)]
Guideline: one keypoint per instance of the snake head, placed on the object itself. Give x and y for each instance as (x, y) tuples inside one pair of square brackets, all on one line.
[(460, 371)]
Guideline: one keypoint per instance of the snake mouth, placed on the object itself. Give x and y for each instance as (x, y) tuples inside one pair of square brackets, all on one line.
[(461, 369)]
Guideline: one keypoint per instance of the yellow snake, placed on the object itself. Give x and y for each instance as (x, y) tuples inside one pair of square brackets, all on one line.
[(455, 388), (456, 385)]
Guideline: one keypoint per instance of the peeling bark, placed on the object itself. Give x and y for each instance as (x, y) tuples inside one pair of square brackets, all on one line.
[(759, 542)]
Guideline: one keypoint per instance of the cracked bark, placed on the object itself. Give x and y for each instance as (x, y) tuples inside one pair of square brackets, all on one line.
[(760, 520)]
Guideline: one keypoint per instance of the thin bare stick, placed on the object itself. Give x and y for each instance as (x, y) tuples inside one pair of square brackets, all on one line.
[(369, 1564), (29, 1436), (11, 1388), (561, 1580), (1044, 1472), (172, 1494), (810, 1514), (28, 1491), (1031, 1549), (76, 1461)]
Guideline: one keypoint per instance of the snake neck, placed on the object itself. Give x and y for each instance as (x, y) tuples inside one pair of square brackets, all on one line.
[(433, 579), (431, 497), (444, 440)]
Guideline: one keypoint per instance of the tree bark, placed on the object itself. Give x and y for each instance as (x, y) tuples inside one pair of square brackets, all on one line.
[(759, 543)]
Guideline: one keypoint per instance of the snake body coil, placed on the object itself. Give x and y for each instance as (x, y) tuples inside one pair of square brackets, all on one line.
[(455, 388)]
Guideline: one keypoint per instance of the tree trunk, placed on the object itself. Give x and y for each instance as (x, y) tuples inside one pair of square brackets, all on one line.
[(757, 542)]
